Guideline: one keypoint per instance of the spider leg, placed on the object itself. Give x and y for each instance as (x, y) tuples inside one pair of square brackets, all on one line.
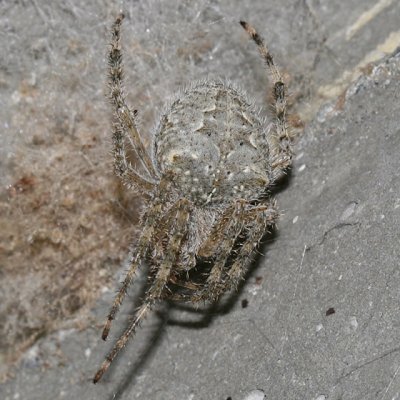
[(229, 238), (157, 287), (232, 225), (209, 247), (281, 153), (151, 219), (140, 252), (255, 231), (122, 112), (255, 220), (122, 167)]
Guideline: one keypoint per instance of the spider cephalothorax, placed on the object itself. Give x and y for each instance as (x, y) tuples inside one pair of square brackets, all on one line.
[(206, 186)]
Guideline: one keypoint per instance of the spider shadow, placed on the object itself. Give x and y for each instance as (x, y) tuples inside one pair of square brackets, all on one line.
[(207, 314)]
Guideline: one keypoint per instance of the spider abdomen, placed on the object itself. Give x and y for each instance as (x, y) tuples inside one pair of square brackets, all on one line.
[(214, 144)]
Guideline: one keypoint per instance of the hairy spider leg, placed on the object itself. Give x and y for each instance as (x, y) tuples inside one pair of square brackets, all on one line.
[(122, 167), (140, 253), (227, 239), (156, 289), (255, 231), (150, 221), (123, 113), (253, 220), (281, 154)]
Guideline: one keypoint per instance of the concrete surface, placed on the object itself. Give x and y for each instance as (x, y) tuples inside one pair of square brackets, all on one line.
[(318, 317)]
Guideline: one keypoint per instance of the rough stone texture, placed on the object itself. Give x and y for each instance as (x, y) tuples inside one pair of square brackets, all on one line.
[(318, 316)]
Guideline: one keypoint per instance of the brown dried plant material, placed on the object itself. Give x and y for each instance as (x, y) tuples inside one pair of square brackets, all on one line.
[(64, 220)]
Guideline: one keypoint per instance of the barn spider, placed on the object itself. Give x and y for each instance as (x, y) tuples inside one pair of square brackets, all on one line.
[(206, 185)]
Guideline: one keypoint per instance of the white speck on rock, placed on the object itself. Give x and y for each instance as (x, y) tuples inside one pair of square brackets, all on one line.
[(88, 352), (253, 289), (319, 327), (104, 289), (236, 338), (302, 167), (64, 333), (295, 219), (33, 352), (299, 156), (255, 395), (214, 356), (353, 322), (349, 211)]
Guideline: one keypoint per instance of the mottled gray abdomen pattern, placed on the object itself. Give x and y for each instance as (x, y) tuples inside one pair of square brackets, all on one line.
[(214, 144)]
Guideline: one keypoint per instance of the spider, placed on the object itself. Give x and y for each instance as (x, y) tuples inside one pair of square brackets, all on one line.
[(206, 185)]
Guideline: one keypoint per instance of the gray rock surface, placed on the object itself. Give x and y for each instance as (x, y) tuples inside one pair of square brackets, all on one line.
[(318, 317)]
